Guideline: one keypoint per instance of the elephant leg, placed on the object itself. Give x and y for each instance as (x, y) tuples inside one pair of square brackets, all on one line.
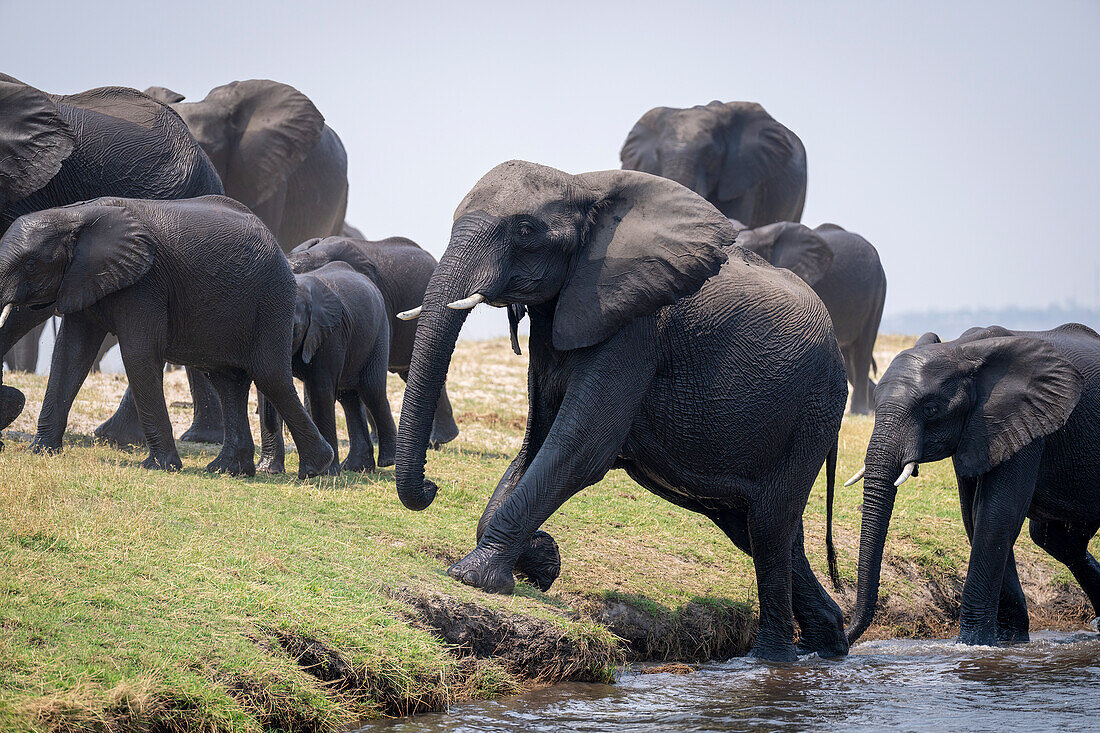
[(145, 373), (76, 346), (107, 345), (23, 356), (860, 375), (322, 409), (314, 453), (444, 428), (602, 397), (237, 456), (772, 543), (1000, 503), (360, 451), (124, 427), (272, 447), (208, 424), (1068, 544), (372, 392)]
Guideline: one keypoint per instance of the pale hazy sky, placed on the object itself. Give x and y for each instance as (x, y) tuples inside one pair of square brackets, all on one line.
[(960, 138)]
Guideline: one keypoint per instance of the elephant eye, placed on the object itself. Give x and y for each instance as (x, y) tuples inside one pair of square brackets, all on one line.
[(931, 410)]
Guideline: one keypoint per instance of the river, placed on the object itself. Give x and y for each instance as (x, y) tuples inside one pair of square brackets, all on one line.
[(1051, 683)]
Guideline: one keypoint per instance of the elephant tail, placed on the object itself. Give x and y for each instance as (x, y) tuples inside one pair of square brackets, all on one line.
[(830, 485), (874, 365)]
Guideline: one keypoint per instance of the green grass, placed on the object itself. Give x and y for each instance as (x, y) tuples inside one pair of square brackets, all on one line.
[(132, 599)]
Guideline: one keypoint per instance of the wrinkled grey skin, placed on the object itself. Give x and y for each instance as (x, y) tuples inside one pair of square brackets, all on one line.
[(1018, 412), (57, 150), (734, 154), (274, 153), (195, 281), (633, 317), (844, 270), (341, 348), (401, 271)]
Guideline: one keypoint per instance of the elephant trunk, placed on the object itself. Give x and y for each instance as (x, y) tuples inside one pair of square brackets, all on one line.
[(886, 456), (687, 172), (436, 333)]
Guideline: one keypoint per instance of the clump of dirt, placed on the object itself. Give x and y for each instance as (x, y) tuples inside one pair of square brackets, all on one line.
[(530, 648)]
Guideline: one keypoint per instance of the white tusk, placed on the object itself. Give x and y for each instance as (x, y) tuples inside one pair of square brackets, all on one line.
[(906, 473), (6, 312), (410, 314), (467, 303), (857, 477)]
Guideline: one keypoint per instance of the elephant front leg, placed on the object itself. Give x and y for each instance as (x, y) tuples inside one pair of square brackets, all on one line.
[(78, 342), (1001, 500), (581, 445)]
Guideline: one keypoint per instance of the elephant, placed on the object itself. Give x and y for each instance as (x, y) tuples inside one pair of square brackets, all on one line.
[(844, 270), (657, 346), (111, 141), (199, 282), (1018, 412), (733, 154), (401, 270), (274, 153), (341, 348)]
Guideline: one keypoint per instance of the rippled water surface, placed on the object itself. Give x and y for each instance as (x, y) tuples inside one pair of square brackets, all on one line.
[(1052, 683)]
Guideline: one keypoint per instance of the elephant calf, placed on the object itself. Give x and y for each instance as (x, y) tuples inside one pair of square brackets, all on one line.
[(844, 270), (1018, 412), (341, 346), (199, 282)]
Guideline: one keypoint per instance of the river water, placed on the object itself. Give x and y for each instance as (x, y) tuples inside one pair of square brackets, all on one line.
[(1052, 683)]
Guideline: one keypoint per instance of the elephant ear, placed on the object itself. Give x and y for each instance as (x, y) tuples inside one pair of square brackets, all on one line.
[(639, 152), (794, 247), (928, 338), (163, 94), (277, 126), (1024, 389), (757, 147), (34, 140), (112, 250), (326, 313), (648, 242)]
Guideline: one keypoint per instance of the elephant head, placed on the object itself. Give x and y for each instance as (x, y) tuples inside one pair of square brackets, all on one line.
[(979, 399), (792, 246), (70, 257), (256, 133), (592, 251), (721, 150), (318, 312), (34, 140)]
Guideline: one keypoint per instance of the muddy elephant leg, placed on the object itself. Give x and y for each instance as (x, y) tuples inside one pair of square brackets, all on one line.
[(1068, 544), (272, 447), (76, 346), (208, 424), (444, 428), (360, 450), (238, 453), (23, 356)]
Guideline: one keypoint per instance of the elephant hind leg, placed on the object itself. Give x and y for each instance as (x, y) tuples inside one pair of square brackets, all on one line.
[(1068, 544), (360, 451), (237, 456), (208, 424), (372, 392), (771, 538), (314, 452)]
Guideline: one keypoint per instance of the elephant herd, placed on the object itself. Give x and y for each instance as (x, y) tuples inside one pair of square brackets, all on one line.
[(684, 327)]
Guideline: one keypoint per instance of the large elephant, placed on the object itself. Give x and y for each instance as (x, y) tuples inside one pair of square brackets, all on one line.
[(844, 270), (401, 270), (735, 155), (196, 281), (274, 153), (1018, 412), (718, 387), (57, 150)]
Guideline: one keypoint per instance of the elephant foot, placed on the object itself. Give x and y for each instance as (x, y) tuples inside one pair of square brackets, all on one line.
[(315, 462), (42, 445), (773, 652), (1009, 636), (12, 402), (387, 456), (203, 434), (163, 461), (234, 463), (120, 432), (442, 434), (359, 464), (540, 562), (483, 569), (827, 643), (271, 464), (977, 636)]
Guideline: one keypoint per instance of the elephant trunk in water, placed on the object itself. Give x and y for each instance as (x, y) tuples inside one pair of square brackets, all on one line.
[(436, 334), (887, 455)]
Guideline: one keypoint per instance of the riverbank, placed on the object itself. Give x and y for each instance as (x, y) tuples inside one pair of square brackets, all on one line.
[(139, 600)]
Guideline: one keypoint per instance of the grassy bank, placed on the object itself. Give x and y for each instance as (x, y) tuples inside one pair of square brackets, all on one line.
[(132, 599)]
